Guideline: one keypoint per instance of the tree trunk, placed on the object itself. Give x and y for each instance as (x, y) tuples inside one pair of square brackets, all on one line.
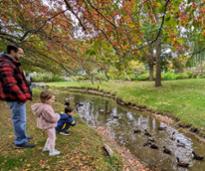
[(92, 79), (151, 62), (151, 71), (158, 63)]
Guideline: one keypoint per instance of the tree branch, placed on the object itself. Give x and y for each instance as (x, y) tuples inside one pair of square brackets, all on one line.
[(51, 59), (75, 14), (159, 30), (34, 31), (162, 22), (92, 6)]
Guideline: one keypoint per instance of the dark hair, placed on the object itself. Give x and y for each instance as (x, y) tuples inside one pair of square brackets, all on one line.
[(67, 103), (68, 110), (11, 48), (45, 95)]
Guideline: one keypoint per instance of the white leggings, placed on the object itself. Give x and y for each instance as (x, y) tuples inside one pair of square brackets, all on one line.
[(51, 140)]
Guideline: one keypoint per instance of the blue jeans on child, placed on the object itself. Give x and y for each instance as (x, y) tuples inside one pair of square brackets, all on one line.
[(18, 112), (65, 122)]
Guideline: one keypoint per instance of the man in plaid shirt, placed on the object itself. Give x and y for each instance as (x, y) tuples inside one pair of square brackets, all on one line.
[(15, 91)]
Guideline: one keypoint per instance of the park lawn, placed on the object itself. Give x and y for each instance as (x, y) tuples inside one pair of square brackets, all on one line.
[(184, 99), (81, 151)]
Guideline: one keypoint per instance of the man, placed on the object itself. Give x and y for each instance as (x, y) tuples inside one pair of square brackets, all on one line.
[(15, 91)]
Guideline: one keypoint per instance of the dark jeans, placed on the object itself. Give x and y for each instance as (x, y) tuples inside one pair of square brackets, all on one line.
[(65, 123)]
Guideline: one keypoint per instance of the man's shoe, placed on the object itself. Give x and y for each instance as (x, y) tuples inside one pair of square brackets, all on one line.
[(25, 145), (64, 133)]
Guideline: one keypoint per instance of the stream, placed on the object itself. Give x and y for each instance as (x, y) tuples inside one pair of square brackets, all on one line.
[(128, 128)]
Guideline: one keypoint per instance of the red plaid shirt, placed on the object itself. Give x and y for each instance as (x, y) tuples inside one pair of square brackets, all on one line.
[(13, 85)]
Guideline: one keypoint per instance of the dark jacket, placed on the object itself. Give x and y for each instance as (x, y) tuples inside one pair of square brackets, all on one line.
[(13, 84)]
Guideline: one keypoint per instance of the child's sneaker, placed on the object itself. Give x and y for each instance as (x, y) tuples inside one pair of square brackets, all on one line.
[(54, 152), (45, 149), (65, 133)]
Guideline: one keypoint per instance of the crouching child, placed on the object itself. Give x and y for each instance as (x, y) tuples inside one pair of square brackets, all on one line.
[(66, 121)]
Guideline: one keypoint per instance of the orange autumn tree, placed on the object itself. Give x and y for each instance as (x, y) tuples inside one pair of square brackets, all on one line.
[(44, 31), (66, 32), (140, 29)]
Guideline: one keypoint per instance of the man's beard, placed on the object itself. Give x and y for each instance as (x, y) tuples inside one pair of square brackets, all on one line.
[(17, 58)]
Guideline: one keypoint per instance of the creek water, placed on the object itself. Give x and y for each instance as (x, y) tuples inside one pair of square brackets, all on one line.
[(128, 128)]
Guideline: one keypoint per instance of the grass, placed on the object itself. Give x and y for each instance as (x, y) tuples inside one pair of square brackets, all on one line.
[(184, 99), (81, 151)]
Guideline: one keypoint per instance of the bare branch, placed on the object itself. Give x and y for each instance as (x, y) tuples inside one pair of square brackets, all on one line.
[(75, 14)]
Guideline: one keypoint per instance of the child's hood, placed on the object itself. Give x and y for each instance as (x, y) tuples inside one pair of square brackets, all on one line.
[(38, 108)]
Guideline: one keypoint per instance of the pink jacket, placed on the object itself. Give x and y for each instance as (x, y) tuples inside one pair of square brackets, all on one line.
[(46, 117)]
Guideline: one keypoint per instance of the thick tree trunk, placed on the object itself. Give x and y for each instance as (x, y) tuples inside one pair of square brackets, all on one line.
[(158, 63)]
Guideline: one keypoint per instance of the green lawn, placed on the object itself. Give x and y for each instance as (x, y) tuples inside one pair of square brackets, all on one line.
[(81, 151), (185, 99)]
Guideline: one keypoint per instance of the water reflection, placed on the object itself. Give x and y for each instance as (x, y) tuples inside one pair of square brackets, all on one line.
[(97, 111)]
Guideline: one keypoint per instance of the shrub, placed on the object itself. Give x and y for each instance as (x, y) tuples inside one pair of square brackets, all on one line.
[(182, 75), (47, 77), (201, 75), (169, 76), (143, 77)]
